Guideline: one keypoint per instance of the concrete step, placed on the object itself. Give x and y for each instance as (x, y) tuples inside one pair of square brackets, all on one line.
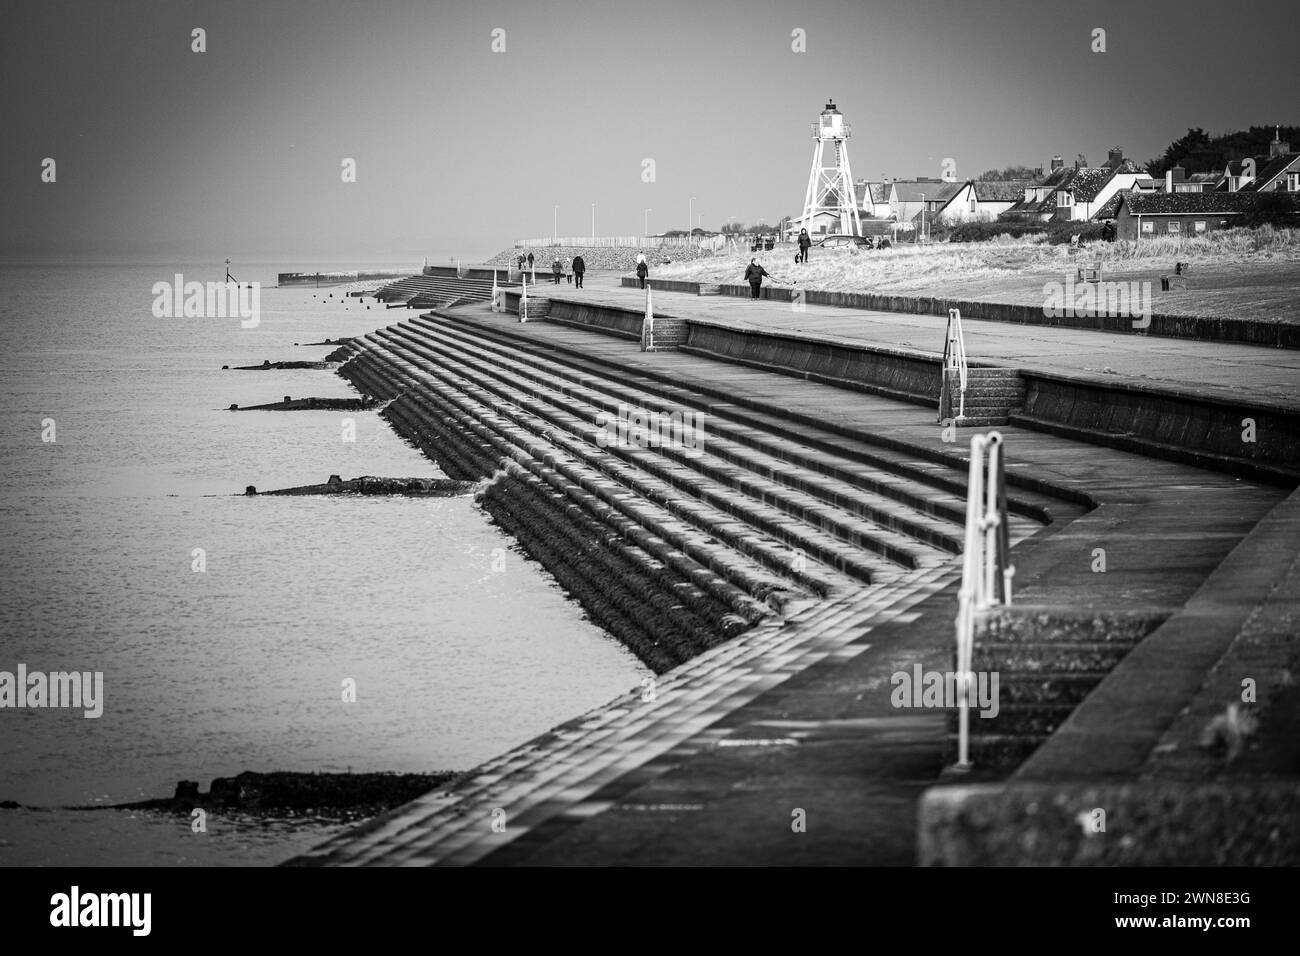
[(688, 524), (1045, 687), (728, 574), (1018, 720), (932, 488), (1072, 657), (707, 505), (796, 491), (1001, 751)]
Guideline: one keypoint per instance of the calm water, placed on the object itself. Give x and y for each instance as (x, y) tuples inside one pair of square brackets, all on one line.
[(239, 667)]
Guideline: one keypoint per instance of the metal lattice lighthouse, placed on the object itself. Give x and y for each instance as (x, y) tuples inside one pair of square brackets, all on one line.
[(830, 187)]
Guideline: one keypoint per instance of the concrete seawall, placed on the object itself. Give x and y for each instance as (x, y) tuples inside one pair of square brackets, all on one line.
[(1204, 328)]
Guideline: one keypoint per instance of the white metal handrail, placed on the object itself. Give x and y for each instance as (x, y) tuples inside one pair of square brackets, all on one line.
[(954, 359), (986, 567), (648, 324)]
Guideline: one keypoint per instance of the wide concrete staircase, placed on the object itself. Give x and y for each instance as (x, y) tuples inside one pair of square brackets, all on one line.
[(695, 519), (430, 291), (1047, 661), (992, 394)]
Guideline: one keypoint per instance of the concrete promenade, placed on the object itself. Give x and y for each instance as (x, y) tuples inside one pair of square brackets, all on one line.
[(782, 746), (1225, 370)]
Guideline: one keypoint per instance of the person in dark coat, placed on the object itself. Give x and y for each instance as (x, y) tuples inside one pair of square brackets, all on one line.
[(579, 267), (642, 270), (557, 269), (754, 274), (804, 244), (530, 261)]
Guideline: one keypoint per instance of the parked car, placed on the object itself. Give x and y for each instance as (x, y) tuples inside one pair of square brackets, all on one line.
[(844, 242)]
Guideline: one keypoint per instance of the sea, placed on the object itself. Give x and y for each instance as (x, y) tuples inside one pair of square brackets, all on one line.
[(234, 633)]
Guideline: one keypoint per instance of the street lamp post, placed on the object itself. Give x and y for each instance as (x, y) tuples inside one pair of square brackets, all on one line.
[(646, 225), (690, 217), (593, 220), (555, 219)]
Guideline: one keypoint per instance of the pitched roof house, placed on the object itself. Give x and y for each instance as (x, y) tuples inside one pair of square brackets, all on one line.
[(982, 201), (1142, 215), (1281, 172), (1080, 193)]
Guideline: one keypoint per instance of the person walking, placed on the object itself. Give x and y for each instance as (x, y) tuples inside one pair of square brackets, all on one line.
[(804, 244), (579, 267), (568, 273), (754, 274), (642, 268), (530, 262), (557, 268)]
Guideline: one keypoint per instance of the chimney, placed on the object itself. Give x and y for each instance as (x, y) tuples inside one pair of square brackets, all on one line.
[(1115, 157), (1278, 147), (1057, 163), (1179, 174)]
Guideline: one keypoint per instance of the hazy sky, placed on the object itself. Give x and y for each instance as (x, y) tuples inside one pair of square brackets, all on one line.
[(457, 147)]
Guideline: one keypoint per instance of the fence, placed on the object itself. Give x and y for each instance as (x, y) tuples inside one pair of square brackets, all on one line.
[(613, 242)]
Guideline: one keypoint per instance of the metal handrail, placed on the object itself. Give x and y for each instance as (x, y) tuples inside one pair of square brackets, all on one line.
[(648, 324), (954, 359), (986, 567)]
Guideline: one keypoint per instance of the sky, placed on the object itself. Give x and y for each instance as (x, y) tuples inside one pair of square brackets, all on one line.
[(241, 148)]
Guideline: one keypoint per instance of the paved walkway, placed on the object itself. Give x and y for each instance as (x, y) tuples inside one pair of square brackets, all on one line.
[(792, 723), (1217, 369)]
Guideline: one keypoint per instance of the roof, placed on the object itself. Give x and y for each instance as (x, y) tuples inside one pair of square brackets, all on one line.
[(1111, 209), (1182, 204), (1271, 170), (879, 192), (1002, 190), (1087, 182), (910, 190)]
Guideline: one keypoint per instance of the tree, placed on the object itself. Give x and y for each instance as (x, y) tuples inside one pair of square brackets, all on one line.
[(1198, 152), (1273, 209), (733, 228), (1011, 172)]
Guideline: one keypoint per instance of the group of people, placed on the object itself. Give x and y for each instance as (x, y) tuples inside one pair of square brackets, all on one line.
[(570, 269), (575, 269)]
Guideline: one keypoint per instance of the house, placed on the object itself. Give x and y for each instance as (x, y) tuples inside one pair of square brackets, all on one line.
[(908, 197), (982, 201), (873, 199), (1238, 174), (1146, 215), (1080, 193), (1280, 172), (1177, 181)]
